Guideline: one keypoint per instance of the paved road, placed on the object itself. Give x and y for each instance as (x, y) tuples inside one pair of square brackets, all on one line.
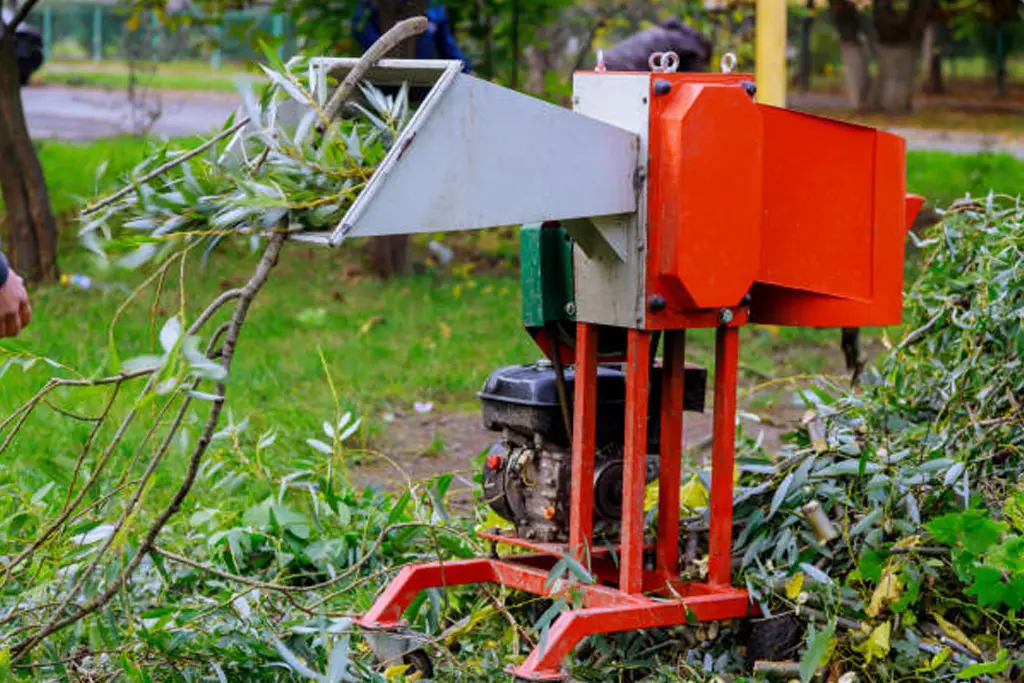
[(961, 142), (83, 114), (86, 114)]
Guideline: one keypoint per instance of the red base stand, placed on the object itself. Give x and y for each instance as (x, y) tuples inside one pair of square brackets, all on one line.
[(627, 597)]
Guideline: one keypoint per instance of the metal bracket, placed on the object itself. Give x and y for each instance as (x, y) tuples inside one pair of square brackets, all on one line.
[(604, 238)]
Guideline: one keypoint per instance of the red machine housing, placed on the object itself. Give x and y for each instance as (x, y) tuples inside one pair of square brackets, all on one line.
[(806, 215)]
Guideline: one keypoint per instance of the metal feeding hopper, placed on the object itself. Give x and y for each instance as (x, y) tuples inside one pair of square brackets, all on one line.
[(678, 202), (477, 155)]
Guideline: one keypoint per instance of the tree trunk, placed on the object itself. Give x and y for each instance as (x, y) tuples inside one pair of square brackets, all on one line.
[(391, 255), (856, 73), (1001, 59), (899, 39), (932, 57), (806, 26), (894, 87), (30, 231), (853, 52)]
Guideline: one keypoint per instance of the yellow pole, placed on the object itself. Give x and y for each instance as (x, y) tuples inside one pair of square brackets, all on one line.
[(771, 52)]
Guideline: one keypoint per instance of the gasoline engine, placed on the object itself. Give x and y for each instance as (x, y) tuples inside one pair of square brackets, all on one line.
[(527, 475)]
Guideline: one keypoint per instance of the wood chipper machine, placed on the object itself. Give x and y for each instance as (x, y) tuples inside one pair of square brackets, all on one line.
[(662, 202)]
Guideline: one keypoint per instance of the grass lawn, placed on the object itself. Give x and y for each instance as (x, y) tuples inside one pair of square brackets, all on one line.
[(189, 76), (431, 337)]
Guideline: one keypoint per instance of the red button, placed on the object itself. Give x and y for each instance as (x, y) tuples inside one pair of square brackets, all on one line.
[(494, 462)]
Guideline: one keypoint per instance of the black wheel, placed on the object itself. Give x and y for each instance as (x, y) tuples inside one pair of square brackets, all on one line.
[(773, 640), (419, 662)]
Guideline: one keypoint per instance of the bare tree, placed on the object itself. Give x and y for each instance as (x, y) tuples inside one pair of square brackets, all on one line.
[(30, 229)]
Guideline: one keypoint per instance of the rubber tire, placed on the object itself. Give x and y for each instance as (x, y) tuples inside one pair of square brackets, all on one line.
[(419, 662), (774, 640)]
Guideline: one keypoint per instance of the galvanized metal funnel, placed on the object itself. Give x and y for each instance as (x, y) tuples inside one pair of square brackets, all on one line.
[(477, 155)]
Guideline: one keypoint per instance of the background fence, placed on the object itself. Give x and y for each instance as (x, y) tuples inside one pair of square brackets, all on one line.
[(98, 31)]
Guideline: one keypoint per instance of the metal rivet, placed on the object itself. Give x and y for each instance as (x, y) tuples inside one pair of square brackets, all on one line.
[(570, 309), (662, 87), (745, 301), (750, 87), (656, 303), (725, 316)]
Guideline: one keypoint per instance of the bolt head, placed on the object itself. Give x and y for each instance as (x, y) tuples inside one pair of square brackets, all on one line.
[(662, 87), (725, 316), (656, 303), (750, 87), (570, 309)]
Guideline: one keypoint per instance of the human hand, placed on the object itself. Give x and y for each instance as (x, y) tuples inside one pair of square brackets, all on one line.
[(15, 313)]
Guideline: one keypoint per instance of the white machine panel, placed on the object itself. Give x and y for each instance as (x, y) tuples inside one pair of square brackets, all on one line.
[(610, 289)]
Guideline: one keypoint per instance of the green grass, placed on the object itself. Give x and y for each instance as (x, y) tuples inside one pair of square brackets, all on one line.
[(943, 176), (185, 76)]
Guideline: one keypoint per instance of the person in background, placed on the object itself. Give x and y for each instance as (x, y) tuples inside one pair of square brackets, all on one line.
[(437, 42), (15, 313), (632, 54)]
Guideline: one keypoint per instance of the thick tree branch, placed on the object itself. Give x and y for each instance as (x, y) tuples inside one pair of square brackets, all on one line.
[(398, 34)]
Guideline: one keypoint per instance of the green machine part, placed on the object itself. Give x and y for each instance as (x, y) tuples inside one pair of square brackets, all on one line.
[(545, 257)]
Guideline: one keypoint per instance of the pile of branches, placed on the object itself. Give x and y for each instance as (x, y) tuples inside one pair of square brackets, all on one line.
[(893, 523)]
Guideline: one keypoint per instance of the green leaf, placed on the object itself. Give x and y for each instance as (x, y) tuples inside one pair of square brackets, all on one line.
[(1013, 510), (975, 531), (818, 648), (849, 467), (1001, 664), (293, 661), (871, 562), (1014, 595), (780, 495), (867, 522), (988, 586)]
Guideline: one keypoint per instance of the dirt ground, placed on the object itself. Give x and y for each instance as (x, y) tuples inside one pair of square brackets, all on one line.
[(419, 446)]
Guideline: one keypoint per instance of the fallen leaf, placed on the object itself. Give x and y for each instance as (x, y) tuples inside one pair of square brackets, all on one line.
[(370, 324), (878, 643), (956, 634), (795, 585), (446, 331), (888, 591)]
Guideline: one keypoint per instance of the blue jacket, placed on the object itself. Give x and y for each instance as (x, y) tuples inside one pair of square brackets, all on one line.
[(437, 42)]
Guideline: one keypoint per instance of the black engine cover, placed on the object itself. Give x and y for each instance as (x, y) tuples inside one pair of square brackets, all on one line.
[(525, 398)]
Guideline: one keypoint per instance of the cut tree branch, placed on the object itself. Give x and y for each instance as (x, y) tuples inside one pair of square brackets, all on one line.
[(397, 35)]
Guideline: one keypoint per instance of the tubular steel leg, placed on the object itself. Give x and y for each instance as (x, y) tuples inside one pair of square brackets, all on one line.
[(634, 466), (388, 609), (545, 663), (722, 456), (671, 453), (581, 501)]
